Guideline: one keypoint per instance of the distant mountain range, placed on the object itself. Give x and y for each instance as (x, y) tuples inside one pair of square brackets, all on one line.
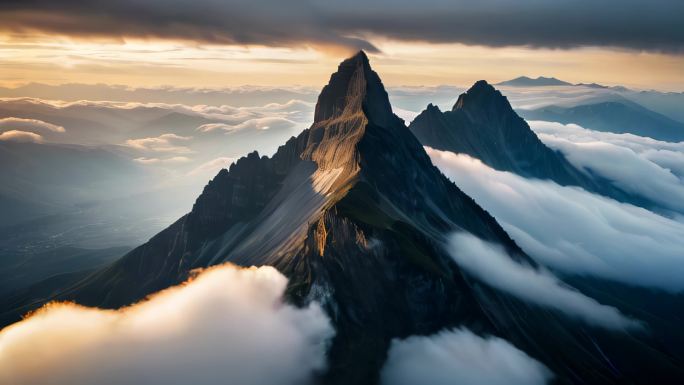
[(541, 81), (620, 116), (354, 213), (613, 109)]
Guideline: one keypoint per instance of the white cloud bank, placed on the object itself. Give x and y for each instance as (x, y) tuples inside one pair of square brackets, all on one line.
[(574, 231), (490, 263), (460, 357), (227, 326), (640, 165)]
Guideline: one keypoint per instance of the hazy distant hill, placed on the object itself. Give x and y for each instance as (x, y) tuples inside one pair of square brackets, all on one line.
[(613, 116), (666, 103), (524, 81), (50, 178)]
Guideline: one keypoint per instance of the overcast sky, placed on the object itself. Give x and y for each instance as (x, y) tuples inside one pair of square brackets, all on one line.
[(428, 42)]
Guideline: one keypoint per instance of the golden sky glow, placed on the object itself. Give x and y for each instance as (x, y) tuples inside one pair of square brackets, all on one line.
[(58, 60)]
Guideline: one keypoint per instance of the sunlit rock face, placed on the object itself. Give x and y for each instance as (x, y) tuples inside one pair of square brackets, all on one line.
[(354, 213)]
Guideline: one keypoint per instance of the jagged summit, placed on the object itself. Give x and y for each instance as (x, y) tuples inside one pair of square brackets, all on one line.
[(360, 55), (354, 88), (484, 99), (353, 101), (432, 107), (480, 90)]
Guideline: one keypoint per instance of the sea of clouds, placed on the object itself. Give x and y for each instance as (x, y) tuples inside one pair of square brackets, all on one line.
[(572, 230), (644, 166)]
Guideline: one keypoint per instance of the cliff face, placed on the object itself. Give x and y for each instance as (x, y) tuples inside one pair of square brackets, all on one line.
[(355, 214)]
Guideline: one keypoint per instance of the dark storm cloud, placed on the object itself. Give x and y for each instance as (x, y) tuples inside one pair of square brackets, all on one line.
[(631, 24)]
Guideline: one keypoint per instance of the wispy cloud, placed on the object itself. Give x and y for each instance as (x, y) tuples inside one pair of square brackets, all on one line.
[(173, 159), (161, 143), (264, 123), (21, 136), (212, 167)]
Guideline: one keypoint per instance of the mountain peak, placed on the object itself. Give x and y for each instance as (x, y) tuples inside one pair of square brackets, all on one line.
[(360, 56), (355, 88), (433, 108), (483, 96), (482, 88), (353, 102)]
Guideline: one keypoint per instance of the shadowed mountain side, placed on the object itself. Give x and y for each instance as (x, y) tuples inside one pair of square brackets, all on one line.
[(483, 125), (355, 214)]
